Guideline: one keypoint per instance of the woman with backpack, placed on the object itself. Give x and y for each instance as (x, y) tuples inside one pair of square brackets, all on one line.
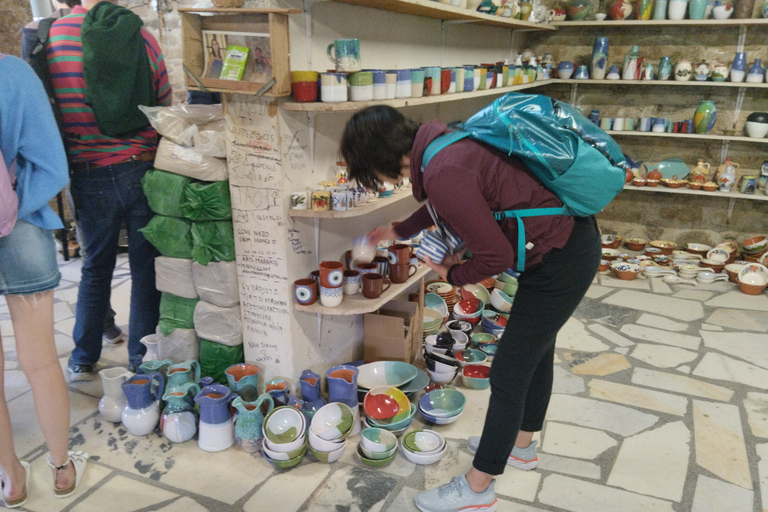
[(465, 182), (32, 151)]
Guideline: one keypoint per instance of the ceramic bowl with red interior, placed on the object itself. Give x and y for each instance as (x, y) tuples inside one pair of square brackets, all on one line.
[(476, 376), (469, 306), (386, 404)]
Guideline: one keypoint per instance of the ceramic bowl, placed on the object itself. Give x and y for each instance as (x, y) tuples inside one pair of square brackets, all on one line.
[(436, 303), (386, 404), (433, 318), (751, 289), (604, 265), (440, 421), (756, 130), (483, 337), (286, 464), (626, 271), (442, 378), (459, 325), (442, 403), (423, 458), (379, 455), (284, 456), (651, 183), (755, 244), (389, 373), (754, 274), (610, 254), (329, 457), (476, 376), (373, 462), (758, 117), (665, 246), (471, 356), (417, 384), (718, 255), (394, 427), (321, 445), (733, 271), (635, 244), (716, 266), (732, 246), (332, 421), (610, 241), (489, 349), (501, 301), (468, 309), (423, 441), (284, 425), (700, 249), (440, 363), (283, 447), (477, 291), (378, 440)]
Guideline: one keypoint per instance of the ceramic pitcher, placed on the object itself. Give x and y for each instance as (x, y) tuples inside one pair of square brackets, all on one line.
[(150, 341), (216, 429), (342, 384), (243, 379), (250, 418), (114, 401), (179, 421), (310, 392), (155, 365), (178, 374), (279, 390), (142, 413)]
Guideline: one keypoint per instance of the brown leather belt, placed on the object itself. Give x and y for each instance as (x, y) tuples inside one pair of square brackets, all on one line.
[(147, 156)]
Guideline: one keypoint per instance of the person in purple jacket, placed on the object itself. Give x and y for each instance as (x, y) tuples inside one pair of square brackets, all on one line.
[(464, 183)]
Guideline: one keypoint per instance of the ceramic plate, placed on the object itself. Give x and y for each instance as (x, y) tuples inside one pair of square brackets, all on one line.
[(417, 384), (386, 373), (439, 287)]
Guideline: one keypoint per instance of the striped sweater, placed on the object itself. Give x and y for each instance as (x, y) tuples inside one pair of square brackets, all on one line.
[(65, 60)]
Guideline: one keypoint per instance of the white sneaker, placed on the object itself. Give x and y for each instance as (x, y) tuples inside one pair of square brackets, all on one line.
[(520, 458), (457, 496)]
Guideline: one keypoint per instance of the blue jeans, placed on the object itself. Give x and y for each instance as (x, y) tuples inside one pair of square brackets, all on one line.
[(104, 197)]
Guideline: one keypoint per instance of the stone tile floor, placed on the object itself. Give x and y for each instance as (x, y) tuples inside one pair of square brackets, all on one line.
[(660, 403)]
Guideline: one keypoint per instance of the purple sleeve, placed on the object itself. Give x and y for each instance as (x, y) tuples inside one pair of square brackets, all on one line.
[(457, 197), (420, 219)]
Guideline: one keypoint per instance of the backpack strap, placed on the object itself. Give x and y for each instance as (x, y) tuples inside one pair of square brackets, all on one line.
[(519, 215), (439, 143)]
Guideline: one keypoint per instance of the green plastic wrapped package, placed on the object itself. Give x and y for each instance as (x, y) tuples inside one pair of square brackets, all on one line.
[(207, 201), (215, 358), (213, 241), (171, 236), (176, 313), (165, 191)]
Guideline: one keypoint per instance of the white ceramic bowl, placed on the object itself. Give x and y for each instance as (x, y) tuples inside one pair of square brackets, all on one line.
[(284, 447), (501, 301), (718, 255), (279, 455), (754, 274), (284, 425), (379, 455), (424, 441), (329, 457), (333, 421), (442, 378), (390, 373), (321, 444), (423, 458), (378, 440)]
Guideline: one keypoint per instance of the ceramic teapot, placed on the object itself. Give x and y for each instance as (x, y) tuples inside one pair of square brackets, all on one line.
[(142, 413), (114, 401)]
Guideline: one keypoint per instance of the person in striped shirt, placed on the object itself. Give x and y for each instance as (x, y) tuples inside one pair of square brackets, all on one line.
[(106, 173)]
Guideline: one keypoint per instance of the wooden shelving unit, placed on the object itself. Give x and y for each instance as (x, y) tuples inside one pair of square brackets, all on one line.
[(731, 22), (730, 138), (357, 304), (733, 194), (432, 9)]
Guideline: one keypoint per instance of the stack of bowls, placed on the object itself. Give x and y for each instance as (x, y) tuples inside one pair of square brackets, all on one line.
[(476, 376), (469, 310), (436, 303), (441, 368), (494, 323), (435, 344), (388, 408), (285, 442), (423, 446), (445, 290), (470, 356), (460, 325), (328, 432), (475, 291), (442, 406), (377, 448), (432, 321), (754, 248)]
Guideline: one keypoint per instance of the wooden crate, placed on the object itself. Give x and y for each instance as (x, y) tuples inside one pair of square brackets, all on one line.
[(246, 21)]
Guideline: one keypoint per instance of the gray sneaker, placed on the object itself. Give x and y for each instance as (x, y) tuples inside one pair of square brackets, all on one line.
[(520, 458), (457, 496), (112, 335)]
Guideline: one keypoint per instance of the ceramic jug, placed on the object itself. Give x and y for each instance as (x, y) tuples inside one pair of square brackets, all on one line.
[(155, 365), (142, 413), (178, 374), (279, 390), (342, 384), (310, 392), (727, 176), (216, 429), (250, 418), (243, 379), (700, 172), (683, 70), (113, 402), (150, 341), (179, 421)]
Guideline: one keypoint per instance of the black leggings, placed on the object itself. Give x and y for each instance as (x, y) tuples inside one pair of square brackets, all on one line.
[(522, 370)]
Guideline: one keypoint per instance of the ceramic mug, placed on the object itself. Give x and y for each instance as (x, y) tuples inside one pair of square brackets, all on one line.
[(367, 268), (305, 291), (333, 87), (606, 123), (345, 54), (331, 274), (339, 200), (299, 200), (382, 264), (401, 273), (321, 200), (373, 285), (403, 84), (304, 85), (399, 254), (659, 125), (434, 246), (331, 297), (645, 124), (351, 282), (618, 124), (417, 83)]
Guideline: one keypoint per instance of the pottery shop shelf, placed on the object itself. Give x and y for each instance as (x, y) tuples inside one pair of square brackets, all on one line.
[(733, 194), (358, 305), (402, 195), (352, 106), (731, 22), (731, 138), (432, 9), (668, 83)]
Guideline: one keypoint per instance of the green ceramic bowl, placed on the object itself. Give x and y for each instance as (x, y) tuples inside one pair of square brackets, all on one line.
[(286, 464), (285, 456), (483, 337), (329, 457), (375, 463)]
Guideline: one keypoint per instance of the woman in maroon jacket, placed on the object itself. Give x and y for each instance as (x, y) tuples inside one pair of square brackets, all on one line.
[(464, 183)]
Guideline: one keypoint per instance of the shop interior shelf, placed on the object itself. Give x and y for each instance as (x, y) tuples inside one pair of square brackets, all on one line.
[(432, 9), (358, 304), (352, 106), (401, 195), (733, 194), (732, 138), (731, 22), (666, 83)]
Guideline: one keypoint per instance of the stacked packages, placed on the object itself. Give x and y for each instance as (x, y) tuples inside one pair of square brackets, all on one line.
[(189, 192)]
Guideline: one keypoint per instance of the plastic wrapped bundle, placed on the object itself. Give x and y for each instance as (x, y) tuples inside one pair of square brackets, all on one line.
[(215, 358), (165, 192), (174, 275), (210, 139), (213, 241), (216, 283), (222, 325), (176, 313), (179, 346), (170, 235), (178, 122), (188, 162), (207, 201)]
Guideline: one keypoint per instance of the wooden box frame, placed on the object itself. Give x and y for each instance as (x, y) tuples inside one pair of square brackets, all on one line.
[(272, 21)]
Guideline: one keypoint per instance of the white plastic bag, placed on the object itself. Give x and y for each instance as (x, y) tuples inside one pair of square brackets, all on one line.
[(188, 162), (210, 139), (179, 346), (222, 325), (175, 122), (174, 275), (216, 283)]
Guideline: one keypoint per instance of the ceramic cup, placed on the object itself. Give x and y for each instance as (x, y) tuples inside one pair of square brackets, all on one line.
[(321, 200), (606, 123), (677, 9), (367, 268), (618, 124), (361, 86), (315, 274), (333, 87), (345, 54), (304, 86), (331, 274), (432, 80), (379, 84), (299, 200), (305, 291), (382, 265), (399, 254), (374, 285), (659, 125), (339, 200), (417, 83), (351, 282), (401, 273), (331, 297), (403, 84), (644, 125), (391, 85)]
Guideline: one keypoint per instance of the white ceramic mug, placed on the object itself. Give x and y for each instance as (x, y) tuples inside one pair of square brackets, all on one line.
[(618, 124), (299, 200)]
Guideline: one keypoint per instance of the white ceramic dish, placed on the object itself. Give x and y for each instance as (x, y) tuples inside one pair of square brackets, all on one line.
[(385, 373), (718, 255), (754, 273), (422, 458)]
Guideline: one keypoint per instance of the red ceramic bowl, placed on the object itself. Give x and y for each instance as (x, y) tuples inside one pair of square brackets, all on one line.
[(477, 371)]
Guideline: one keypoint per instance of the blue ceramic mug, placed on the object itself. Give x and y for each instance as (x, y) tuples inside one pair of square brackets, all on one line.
[(345, 54)]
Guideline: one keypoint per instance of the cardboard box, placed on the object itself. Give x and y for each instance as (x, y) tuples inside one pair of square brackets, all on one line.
[(385, 338)]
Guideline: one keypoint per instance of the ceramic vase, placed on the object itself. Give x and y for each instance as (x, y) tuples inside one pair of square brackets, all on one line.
[(613, 74), (705, 117), (114, 401), (216, 429), (739, 67), (697, 9), (578, 10), (660, 10), (179, 420), (250, 418), (644, 9), (755, 73), (142, 413), (565, 70), (683, 70), (599, 58), (633, 64), (665, 68)]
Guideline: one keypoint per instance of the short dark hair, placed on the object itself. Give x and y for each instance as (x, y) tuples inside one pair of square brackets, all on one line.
[(71, 3), (374, 141)]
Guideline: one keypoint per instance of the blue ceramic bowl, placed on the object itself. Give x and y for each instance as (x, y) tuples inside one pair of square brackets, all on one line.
[(442, 403), (489, 349), (440, 421)]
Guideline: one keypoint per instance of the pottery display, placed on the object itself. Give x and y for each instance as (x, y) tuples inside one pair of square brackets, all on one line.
[(719, 72), (757, 125), (114, 400), (250, 419), (613, 74), (142, 413)]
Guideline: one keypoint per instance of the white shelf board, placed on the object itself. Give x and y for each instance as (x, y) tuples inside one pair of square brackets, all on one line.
[(731, 22), (397, 197), (733, 194), (732, 138), (667, 83)]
